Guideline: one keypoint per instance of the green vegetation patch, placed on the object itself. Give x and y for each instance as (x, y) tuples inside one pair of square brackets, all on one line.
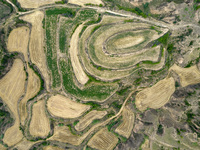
[(93, 92)]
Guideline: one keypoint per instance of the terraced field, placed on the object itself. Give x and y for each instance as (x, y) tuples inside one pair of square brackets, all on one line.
[(80, 76)]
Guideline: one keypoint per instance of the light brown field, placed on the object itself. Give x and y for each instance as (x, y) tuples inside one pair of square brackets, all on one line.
[(77, 68), (83, 2), (88, 118), (103, 140), (155, 96), (145, 145), (63, 134), (25, 144), (40, 124), (12, 86), (128, 41), (36, 44), (52, 148), (125, 128), (61, 106), (188, 76), (33, 88), (18, 40), (2, 147), (35, 3)]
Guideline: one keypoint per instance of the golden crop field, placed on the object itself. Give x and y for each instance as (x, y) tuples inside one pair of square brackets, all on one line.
[(18, 40), (103, 140), (156, 96), (83, 2), (126, 127), (35, 3), (40, 123), (12, 87), (61, 106), (36, 43), (188, 76), (52, 148), (88, 118)]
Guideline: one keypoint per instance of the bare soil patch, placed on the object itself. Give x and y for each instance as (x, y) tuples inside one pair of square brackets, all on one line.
[(40, 124), (12, 86), (103, 140), (35, 3), (156, 96), (61, 106)]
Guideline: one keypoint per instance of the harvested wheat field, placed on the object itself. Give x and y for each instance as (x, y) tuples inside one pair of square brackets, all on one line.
[(103, 140), (61, 106), (63, 134), (40, 124), (52, 148), (155, 96), (12, 87), (35, 3), (2, 147), (18, 40), (25, 144), (125, 128), (188, 76), (83, 2), (36, 44), (78, 70), (33, 88), (85, 121)]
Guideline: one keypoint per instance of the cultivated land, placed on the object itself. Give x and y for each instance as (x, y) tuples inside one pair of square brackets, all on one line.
[(77, 68), (188, 76), (33, 88), (13, 84), (36, 43), (83, 2), (125, 128), (103, 140), (156, 96), (40, 123), (35, 3), (88, 118), (61, 106), (101, 74), (18, 41)]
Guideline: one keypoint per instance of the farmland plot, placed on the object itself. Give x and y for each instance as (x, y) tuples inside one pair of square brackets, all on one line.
[(188, 76), (61, 106), (88, 118), (36, 44), (40, 124), (83, 2), (155, 96), (125, 128), (12, 86), (103, 140), (18, 40), (35, 3)]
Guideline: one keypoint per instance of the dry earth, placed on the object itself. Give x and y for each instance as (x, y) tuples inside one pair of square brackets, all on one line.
[(126, 127), (103, 140), (155, 96), (83, 2), (25, 144), (188, 76), (52, 148), (78, 70), (63, 134), (12, 87), (40, 124), (33, 88), (88, 118), (36, 45), (35, 3), (18, 40), (61, 106)]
